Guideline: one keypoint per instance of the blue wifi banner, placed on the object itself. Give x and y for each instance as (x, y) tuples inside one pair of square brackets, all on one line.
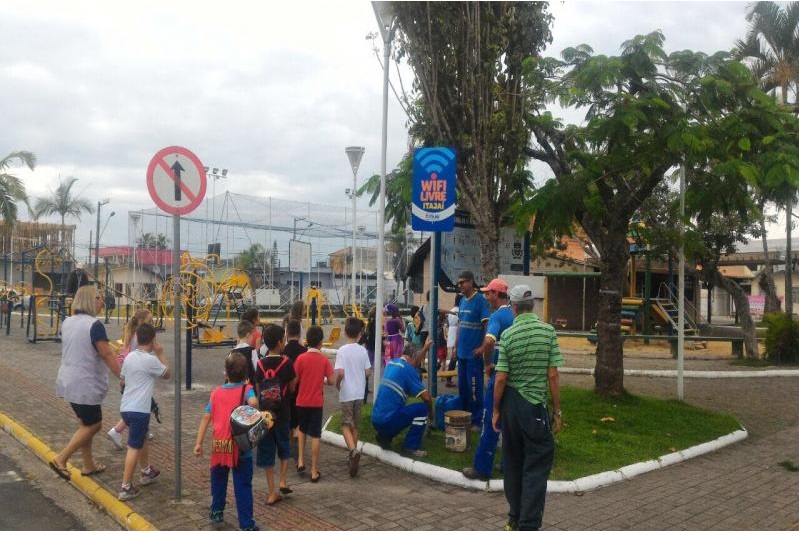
[(433, 196)]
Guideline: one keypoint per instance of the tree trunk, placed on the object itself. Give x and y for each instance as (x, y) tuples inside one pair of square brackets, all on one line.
[(609, 371), (742, 309), (484, 217), (766, 282)]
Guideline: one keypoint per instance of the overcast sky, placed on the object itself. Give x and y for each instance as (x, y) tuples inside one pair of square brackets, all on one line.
[(271, 91)]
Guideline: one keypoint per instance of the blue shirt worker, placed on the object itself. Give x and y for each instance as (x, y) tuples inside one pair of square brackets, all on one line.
[(527, 370), (390, 413), (473, 314), (496, 293)]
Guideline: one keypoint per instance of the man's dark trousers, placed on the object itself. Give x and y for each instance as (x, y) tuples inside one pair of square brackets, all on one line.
[(529, 450)]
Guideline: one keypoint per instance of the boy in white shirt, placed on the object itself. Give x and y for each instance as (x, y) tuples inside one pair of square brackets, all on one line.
[(353, 368), (139, 371)]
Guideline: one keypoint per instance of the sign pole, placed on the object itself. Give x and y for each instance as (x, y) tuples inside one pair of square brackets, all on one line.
[(432, 361), (178, 340)]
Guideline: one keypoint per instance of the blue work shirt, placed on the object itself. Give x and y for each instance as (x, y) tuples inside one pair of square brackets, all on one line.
[(471, 313), (500, 319), (400, 381)]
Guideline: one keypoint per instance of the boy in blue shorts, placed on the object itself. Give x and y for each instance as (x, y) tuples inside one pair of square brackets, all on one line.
[(139, 371)]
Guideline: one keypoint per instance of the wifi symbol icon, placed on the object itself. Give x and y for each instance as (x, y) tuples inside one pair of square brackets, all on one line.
[(434, 159)]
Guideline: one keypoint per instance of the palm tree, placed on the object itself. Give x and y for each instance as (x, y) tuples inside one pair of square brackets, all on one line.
[(149, 240), (12, 189), (63, 202), (771, 49)]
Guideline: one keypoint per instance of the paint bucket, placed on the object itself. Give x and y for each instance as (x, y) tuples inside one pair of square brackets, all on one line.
[(457, 430)]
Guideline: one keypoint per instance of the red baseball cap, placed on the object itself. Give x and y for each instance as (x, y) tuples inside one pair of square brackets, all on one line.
[(498, 285)]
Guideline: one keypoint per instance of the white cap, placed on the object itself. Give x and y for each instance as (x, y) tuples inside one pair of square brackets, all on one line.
[(521, 294)]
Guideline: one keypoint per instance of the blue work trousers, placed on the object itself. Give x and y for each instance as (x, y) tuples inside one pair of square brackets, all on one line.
[(413, 415), (470, 387), (487, 447), (528, 448), (242, 489)]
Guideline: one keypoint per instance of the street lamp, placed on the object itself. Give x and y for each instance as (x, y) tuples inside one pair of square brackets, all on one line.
[(97, 239), (386, 20), (212, 172), (354, 154)]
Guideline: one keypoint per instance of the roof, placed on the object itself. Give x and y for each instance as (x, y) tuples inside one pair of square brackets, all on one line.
[(145, 257), (736, 272)]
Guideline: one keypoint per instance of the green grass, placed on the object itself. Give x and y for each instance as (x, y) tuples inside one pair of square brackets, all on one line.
[(641, 429)]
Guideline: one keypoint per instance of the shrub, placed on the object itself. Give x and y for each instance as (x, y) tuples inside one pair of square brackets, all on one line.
[(782, 338)]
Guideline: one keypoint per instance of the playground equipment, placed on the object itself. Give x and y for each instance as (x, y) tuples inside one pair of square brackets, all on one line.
[(213, 299), (319, 311), (46, 326)]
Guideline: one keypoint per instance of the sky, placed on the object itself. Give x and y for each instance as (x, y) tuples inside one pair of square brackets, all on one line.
[(273, 91)]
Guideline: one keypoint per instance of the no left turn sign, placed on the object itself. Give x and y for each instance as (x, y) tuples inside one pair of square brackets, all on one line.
[(176, 180)]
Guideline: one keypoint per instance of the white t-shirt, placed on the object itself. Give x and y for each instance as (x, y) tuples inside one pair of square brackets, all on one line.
[(139, 371), (354, 360), (452, 329)]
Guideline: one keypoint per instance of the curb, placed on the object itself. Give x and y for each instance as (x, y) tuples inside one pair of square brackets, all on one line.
[(124, 515), (695, 374), (595, 481)]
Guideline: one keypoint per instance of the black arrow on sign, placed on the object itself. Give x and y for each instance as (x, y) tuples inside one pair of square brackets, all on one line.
[(177, 169)]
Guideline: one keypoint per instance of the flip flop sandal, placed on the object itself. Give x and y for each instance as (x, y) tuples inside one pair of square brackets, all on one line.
[(275, 501), (300, 469), (285, 490), (63, 473), (99, 469), (317, 478)]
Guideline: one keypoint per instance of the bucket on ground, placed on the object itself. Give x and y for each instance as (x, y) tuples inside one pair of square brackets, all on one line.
[(445, 403), (457, 430)]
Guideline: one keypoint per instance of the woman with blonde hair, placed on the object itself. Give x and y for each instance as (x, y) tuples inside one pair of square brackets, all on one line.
[(129, 343), (83, 378)]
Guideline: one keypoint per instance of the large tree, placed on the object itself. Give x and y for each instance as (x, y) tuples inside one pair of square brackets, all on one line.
[(771, 48), (63, 201), (468, 60), (12, 190), (647, 113)]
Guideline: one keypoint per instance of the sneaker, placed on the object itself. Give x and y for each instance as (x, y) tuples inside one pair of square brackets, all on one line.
[(471, 473), (510, 525), (355, 458), (216, 517), (150, 436), (127, 492), (254, 527), (148, 476), (418, 454), (115, 437)]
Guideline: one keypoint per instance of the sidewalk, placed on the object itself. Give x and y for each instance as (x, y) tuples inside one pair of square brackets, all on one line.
[(740, 487)]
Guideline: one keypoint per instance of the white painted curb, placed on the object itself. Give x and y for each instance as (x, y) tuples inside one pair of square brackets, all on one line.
[(452, 477), (695, 374)]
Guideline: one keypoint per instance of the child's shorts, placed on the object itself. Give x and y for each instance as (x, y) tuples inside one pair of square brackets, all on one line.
[(351, 413), (138, 425), (309, 421), (278, 440)]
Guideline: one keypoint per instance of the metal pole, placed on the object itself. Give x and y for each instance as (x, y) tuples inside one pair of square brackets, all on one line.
[(354, 245), (788, 261), (97, 243), (681, 292), (381, 220), (435, 254), (177, 343)]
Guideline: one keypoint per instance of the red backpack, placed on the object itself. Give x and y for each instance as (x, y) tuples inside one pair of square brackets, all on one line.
[(270, 393)]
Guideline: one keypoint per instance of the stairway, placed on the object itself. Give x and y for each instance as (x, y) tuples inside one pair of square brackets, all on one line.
[(666, 310)]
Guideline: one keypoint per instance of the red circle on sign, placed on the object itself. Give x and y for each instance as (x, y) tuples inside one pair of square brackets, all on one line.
[(195, 197)]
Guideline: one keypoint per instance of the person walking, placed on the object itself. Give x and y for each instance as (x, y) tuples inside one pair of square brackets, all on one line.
[(86, 357), (496, 293), (527, 369), (473, 314)]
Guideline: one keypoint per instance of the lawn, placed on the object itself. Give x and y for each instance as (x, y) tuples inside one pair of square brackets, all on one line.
[(598, 434)]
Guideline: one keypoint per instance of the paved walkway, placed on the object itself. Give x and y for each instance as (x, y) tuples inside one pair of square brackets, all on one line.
[(740, 487)]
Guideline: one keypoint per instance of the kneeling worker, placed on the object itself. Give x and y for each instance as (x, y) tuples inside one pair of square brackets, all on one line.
[(390, 414)]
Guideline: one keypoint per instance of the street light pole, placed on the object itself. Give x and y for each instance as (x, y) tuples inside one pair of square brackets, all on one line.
[(97, 239), (385, 20), (354, 154)]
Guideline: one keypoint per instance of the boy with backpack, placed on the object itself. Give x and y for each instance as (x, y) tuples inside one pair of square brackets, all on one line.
[(244, 332), (353, 367), (225, 454), (275, 380), (139, 371)]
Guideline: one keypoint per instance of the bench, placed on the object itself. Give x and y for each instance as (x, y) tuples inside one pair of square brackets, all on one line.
[(736, 342)]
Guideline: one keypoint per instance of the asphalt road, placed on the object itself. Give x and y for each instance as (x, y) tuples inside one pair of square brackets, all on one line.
[(32, 497)]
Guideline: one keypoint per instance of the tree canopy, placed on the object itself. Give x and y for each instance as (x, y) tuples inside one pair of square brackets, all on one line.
[(12, 190)]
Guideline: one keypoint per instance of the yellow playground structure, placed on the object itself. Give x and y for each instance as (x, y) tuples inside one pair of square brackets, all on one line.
[(316, 304)]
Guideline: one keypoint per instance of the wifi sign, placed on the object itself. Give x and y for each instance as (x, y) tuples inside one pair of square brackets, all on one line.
[(433, 196)]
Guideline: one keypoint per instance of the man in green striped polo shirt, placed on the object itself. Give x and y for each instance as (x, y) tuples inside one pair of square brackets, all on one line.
[(527, 368)]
